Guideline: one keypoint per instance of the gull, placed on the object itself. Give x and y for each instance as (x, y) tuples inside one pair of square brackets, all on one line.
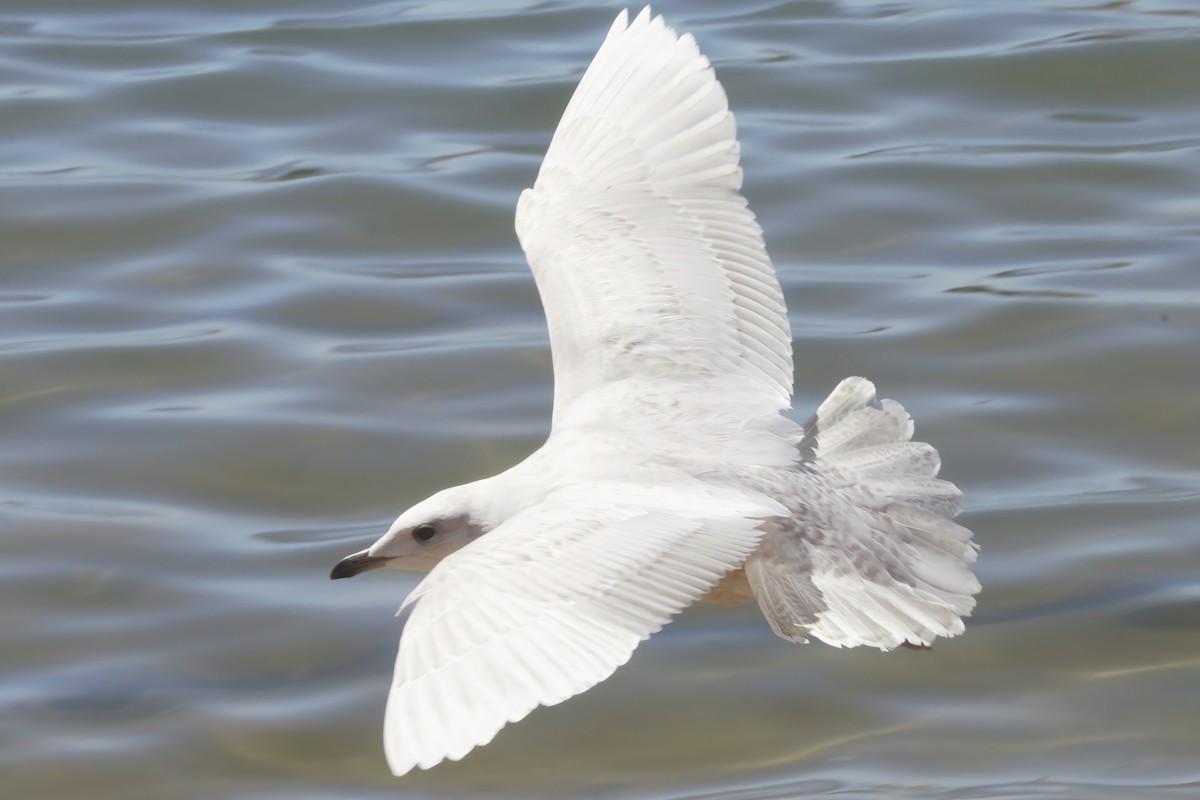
[(670, 474)]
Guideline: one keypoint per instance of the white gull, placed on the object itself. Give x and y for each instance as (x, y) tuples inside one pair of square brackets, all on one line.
[(670, 474)]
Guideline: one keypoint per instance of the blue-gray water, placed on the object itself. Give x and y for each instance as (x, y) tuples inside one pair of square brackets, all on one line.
[(259, 291)]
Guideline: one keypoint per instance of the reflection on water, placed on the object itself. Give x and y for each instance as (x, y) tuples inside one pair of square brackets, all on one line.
[(260, 290)]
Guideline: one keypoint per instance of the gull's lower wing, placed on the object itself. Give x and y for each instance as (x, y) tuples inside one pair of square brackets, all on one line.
[(648, 261), (551, 603)]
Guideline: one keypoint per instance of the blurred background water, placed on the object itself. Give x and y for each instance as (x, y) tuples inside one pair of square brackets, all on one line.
[(259, 291)]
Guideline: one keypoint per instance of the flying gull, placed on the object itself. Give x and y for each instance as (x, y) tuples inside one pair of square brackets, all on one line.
[(670, 474)]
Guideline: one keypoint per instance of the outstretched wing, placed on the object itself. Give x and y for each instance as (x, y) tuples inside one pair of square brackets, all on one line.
[(648, 261), (551, 602)]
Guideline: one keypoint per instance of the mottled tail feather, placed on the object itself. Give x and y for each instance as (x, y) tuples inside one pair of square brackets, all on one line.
[(868, 441), (874, 558)]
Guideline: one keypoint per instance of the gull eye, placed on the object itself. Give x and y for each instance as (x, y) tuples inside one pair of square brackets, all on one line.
[(423, 533)]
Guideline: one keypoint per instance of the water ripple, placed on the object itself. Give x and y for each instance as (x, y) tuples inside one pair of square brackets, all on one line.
[(261, 291)]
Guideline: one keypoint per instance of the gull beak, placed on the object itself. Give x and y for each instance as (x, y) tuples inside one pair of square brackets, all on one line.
[(350, 566)]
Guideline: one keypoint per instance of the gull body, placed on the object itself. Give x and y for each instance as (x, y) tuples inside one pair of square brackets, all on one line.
[(670, 474)]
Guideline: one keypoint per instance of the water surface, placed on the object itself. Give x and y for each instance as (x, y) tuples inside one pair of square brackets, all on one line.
[(259, 291)]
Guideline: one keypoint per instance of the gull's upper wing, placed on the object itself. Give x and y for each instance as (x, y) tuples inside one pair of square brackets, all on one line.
[(648, 261), (551, 602)]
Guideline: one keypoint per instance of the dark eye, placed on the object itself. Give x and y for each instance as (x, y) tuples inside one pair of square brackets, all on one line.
[(423, 533)]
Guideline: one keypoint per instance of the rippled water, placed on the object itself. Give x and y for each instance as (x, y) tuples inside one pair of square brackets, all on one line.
[(259, 291)]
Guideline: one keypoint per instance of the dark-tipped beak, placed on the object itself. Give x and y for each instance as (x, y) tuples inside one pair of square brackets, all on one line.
[(350, 566)]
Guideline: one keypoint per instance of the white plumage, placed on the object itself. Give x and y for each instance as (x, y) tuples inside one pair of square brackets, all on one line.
[(669, 474), (646, 257), (551, 603)]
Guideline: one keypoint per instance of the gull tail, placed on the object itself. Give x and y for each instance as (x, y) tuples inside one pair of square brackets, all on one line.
[(871, 556)]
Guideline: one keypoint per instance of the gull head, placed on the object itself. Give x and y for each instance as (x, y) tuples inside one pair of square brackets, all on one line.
[(423, 535)]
